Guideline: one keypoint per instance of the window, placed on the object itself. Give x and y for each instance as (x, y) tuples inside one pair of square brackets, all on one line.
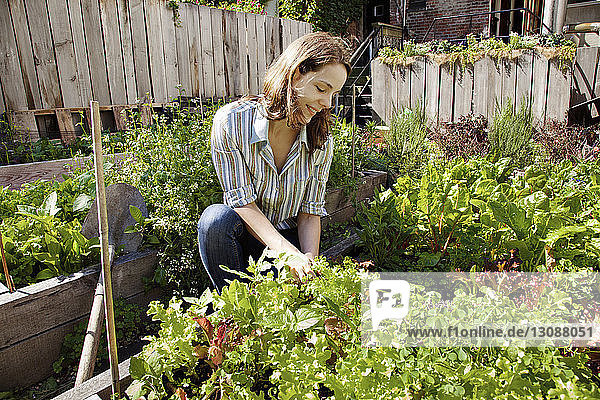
[(416, 4)]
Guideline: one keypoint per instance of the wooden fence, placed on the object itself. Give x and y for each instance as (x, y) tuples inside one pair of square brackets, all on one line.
[(57, 54), (447, 91)]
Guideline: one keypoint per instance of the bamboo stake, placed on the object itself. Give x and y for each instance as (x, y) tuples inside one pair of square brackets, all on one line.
[(353, 125), (103, 224), (9, 282)]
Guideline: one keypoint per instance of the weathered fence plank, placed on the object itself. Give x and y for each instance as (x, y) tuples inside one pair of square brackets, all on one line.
[(378, 88), (84, 81), (231, 47), (524, 80), (417, 84), (286, 33), (261, 49), (463, 91), (207, 52), (112, 46), (446, 96), (219, 52), (43, 52), (170, 51), (184, 50), (23, 42), (539, 88), (392, 85), (485, 79), (508, 72), (10, 69), (95, 51), (402, 96), (253, 81), (65, 53), (140, 48), (432, 91), (155, 49), (127, 51), (2, 106), (243, 55), (559, 83), (270, 45), (195, 51)]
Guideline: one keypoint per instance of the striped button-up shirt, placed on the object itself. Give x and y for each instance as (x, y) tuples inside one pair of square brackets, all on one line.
[(244, 162)]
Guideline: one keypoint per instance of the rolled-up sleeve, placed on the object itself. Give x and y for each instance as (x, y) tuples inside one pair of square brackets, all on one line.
[(231, 168), (314, 195)]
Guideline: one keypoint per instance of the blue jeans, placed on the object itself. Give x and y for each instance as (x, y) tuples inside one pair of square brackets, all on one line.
[(224, 240)]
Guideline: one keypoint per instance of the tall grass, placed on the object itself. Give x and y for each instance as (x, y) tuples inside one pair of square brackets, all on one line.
[(406, 139), (512, 131)]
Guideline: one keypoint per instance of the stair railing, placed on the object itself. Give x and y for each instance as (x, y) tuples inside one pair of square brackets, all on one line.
[(371, 42)]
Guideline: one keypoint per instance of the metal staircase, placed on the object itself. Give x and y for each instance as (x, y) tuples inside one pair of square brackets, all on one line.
[(354, 102)]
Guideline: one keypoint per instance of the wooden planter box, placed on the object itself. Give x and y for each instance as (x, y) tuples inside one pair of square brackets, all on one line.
[(35, 319), (341, 207), (15, 176)]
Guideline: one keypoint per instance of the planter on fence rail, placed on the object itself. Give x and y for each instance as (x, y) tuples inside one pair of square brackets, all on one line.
[(36, 318)]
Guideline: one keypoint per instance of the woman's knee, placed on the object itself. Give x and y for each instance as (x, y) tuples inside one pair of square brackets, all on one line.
[(218, 217)]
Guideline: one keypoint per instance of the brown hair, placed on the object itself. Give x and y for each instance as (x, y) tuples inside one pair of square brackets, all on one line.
[(307, 53)]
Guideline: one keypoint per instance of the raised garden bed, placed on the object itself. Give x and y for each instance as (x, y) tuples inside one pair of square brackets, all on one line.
[(36, 318), (15, 176), (341, 207)]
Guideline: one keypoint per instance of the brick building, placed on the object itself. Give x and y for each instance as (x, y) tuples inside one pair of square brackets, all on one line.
[(421, 13)]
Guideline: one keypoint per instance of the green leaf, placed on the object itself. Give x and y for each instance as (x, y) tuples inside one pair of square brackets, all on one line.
[(564, 232), (136, 214), (537, 201), (82, 202), (45, 274), (138, 368), (49, 207), (306, 318)]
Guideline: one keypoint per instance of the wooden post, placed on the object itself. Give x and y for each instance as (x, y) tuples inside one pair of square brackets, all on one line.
[(9, 283), (353, 123), (105, 257)]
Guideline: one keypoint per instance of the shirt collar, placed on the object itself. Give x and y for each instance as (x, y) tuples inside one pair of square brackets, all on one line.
[(260, 132)]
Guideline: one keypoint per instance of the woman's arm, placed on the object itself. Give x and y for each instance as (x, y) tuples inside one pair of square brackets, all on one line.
[(309, 233), (262, 229)]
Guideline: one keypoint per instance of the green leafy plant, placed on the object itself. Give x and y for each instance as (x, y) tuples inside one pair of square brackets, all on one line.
[(473, 214), (274, 338), (41, 229)]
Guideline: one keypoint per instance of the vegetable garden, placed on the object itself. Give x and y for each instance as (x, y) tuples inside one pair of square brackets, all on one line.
[(472, 195)]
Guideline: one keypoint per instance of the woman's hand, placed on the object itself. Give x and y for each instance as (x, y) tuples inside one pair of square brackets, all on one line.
[(300, 266)]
